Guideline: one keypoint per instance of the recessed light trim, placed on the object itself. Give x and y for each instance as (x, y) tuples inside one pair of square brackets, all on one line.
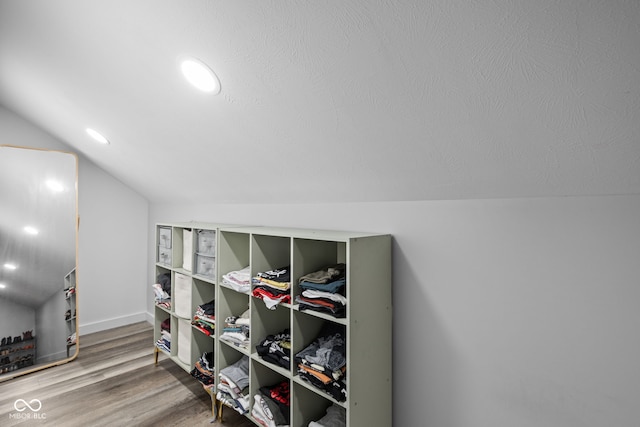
[(97, 136), (200, 75), (31, 230)]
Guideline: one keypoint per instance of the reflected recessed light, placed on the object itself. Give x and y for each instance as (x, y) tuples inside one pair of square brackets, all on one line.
[(97, 136), (31, 230), (55, 186), (10, 266), (2, 286), (200, 75)]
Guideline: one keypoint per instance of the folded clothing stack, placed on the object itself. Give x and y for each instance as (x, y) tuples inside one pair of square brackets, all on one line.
[(161, 298), (164, 342), (204, 370), (69, 291), (324, 291), (239, 280), (271, 405), (204, 318), (71, 339), (273, 286), (336, 416), (276, 349), (323, 362), (236, 330), (162, 290), (233, 385)]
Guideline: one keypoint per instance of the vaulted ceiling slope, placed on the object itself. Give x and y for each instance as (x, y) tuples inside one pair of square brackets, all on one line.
[(358, 100)]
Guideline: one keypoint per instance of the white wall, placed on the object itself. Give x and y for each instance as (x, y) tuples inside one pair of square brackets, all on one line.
[(52, 328), (16, 319), (112, 253), (112, 238), (518, 312)]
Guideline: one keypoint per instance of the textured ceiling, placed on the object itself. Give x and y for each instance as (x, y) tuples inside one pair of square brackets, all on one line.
[(336, 101)]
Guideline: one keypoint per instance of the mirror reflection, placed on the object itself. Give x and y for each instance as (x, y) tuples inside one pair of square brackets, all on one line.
[(38, 241)]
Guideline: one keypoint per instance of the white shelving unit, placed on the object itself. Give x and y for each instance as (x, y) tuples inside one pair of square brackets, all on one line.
[(367, 323), (70, 316), (178, 254)]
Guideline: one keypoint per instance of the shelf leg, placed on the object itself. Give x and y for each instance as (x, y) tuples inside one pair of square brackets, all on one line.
[(220, 411)]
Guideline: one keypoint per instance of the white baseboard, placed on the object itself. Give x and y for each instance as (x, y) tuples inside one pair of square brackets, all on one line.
[(103, 325)]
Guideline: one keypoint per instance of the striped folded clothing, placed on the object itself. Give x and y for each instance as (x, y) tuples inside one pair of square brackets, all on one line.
[(271, 297), (282, 274), (239, 280), (236, 330), (204, 369), (260, 281)]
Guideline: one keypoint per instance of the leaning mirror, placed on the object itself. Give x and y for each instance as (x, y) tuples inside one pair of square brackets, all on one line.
[(38, 258)]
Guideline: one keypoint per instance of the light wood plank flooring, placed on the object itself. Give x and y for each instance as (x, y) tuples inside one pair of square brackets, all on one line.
[(113, 382)]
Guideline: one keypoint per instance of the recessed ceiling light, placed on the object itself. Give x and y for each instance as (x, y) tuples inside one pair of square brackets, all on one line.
[(97, 136), (31, 230), (55, 186), (10, 266), (200, 75)]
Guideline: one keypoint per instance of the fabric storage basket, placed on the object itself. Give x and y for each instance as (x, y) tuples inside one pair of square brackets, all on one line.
[(207, 242), (187, 251), (205, 265), (182, 296), (165, 237), (184, 341), (164, 255)]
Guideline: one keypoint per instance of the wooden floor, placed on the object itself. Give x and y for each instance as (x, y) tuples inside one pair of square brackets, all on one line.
[(113, 382)]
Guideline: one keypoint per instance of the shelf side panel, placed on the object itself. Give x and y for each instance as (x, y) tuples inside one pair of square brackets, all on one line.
[(369, 345)]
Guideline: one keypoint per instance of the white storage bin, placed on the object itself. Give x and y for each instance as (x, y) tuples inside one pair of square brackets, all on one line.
[(187, 251), (206, 265), (207, 242), (165, 237), (164, 255), (184, 341), (182, 296)]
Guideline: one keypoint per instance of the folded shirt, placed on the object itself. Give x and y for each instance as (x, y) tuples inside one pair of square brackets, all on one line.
[(239, 280), (332, 287), (313, 293), (271, 283), (325, 275), (270, 298), (282, 274)]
